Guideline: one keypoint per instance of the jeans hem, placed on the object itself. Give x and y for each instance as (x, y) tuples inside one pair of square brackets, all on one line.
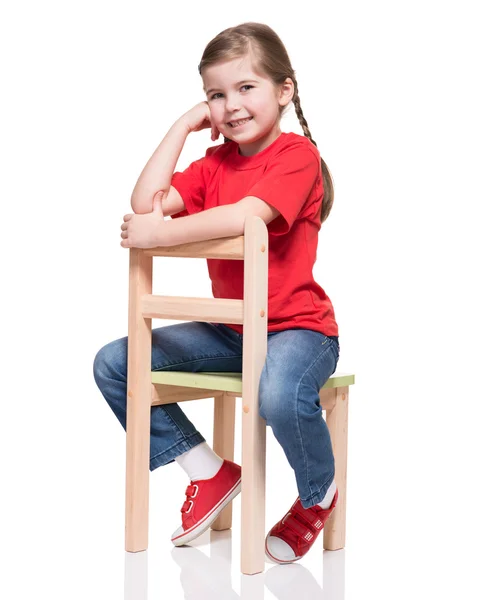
[(314, 499), (168, 456)]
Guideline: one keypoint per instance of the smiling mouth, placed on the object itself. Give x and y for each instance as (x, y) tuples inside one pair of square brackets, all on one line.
[(239, 122)]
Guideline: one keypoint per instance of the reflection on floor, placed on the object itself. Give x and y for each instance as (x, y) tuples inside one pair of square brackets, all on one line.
[(203, 576)]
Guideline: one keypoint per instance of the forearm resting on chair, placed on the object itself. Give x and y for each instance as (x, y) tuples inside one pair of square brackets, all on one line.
[(222, 221), (213, 223)]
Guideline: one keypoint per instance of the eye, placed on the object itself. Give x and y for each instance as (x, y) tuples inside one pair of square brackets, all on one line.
[(213, 97)]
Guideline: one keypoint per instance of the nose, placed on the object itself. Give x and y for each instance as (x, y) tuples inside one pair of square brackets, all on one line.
[(232, 104)]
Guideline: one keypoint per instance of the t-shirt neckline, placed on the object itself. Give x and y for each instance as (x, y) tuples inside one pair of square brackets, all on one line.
[(241, 162)]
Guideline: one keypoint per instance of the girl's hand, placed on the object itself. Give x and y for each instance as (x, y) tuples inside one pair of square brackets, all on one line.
[(198, 118), (147, 230)]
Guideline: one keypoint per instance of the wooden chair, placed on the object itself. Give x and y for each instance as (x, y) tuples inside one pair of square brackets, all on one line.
[(146, 388)]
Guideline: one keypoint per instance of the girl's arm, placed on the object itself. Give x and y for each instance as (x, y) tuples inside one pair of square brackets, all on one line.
[(171, 204), (213, 223), (157, 173), (222, 221), (152, 230)]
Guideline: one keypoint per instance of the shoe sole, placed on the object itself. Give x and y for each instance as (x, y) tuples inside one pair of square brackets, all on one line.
[(278, 560), (201, 526)]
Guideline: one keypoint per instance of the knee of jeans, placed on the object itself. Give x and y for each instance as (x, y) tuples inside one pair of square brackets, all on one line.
[(271, 405), (108, 362), (100, 365)]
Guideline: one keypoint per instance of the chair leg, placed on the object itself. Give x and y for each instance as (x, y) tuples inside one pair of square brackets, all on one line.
[(139, 402), (137, 480), (336, 418), (254, 348), (253, 492), (224, 429)]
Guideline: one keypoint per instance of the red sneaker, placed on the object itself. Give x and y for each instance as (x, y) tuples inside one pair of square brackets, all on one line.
[(299, 528), (205, 500)]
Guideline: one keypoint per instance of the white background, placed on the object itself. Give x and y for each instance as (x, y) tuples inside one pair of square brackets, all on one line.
[(391, 95)]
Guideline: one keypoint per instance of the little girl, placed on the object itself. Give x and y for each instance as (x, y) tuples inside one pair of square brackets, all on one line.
[(258, 170)]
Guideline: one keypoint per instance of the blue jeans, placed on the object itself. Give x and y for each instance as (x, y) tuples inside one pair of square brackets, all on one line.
[(298, 363)]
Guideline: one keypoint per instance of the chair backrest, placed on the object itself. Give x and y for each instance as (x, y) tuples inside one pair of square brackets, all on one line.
[(251, 312)]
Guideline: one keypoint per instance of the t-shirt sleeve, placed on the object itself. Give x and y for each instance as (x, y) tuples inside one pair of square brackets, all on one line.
[(191, 186), (287, 184)]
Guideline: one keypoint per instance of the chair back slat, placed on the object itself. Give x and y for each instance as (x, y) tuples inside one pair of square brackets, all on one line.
[(230, 248), (185, 308)]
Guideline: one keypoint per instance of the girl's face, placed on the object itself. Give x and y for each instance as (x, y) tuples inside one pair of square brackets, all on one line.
[(234, 92)]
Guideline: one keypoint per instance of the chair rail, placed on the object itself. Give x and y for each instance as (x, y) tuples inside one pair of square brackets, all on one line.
[(228, 248), (185, 308)]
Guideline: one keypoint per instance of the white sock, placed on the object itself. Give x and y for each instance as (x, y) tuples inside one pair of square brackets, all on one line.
[(200, 462), (327, 500)]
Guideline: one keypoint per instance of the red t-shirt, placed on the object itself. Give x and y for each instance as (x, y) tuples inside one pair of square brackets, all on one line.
[(286, 175)]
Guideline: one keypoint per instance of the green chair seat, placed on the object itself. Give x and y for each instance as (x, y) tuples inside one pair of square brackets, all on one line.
[(229, 382)]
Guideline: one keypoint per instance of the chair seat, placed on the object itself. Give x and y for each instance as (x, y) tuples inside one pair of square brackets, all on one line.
[(229, 382)]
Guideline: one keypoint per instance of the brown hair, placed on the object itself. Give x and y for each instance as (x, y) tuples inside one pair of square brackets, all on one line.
[(270, 59)]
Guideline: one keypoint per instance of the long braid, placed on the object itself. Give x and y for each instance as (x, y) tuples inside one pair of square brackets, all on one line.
[(326, 176), (300, 115)]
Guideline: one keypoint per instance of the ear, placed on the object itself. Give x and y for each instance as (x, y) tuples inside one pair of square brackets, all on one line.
[(286, 92)]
